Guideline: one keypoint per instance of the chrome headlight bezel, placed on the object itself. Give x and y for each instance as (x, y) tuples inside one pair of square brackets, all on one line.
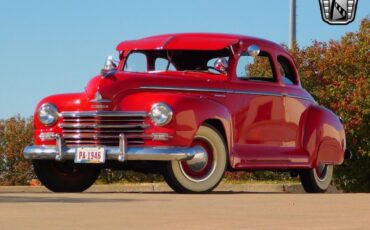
[(48, 114), (161, 114)]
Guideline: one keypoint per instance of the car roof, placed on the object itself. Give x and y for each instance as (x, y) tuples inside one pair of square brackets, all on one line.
[(193, 41)]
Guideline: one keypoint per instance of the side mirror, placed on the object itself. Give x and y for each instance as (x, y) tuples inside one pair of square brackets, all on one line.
[(109, 67), (253, 50)]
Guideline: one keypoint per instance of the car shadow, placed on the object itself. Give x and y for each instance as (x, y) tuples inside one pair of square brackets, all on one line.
[(60, 198), (50, 197), (213, 193)]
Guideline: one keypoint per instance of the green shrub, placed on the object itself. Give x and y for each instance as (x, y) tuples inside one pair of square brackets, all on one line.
[(15, 134), (337, 74)]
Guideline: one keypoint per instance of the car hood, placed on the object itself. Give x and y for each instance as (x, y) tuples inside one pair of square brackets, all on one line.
[(117, 85)]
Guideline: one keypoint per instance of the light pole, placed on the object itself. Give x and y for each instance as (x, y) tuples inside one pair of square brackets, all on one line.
[(292, 24)]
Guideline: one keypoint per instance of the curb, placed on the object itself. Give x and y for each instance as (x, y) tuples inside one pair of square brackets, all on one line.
[(163, 188)]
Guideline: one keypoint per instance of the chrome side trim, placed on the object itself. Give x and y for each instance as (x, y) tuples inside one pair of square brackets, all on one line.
[(299, 97), (255, 93), (210, 90), (103, 114), (185, 89)]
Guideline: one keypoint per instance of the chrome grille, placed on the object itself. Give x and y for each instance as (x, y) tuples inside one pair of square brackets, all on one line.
[(102, 128)]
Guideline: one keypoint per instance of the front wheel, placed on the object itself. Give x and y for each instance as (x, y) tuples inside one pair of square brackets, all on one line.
[(205, 170), (65, 176), (316, 180)]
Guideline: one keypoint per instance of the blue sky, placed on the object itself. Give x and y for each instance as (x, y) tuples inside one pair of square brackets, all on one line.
[(51, 47)]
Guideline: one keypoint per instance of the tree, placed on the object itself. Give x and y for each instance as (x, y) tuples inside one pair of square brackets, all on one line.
[(15, 134), (336, 73)]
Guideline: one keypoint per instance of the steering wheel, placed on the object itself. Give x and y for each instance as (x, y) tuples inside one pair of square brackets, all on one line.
[(213, 68)]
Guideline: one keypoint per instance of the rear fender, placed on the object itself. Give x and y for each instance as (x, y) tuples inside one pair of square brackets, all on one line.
[(324, 137)]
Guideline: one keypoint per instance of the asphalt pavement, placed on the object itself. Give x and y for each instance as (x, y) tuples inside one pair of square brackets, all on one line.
[(115, 207)]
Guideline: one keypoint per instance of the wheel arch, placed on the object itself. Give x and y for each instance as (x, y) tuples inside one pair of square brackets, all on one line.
[(323, 137), (219, 126)]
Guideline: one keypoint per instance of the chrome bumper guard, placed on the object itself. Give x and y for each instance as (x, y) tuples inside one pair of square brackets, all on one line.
[(120, 153)]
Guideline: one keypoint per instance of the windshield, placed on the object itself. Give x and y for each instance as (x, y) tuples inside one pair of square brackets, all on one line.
[(174, 60)]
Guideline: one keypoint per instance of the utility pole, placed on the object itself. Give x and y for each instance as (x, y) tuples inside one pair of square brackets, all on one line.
[(292, 24)]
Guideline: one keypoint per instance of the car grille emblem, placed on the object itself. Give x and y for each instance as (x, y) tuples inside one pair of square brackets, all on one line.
[(98, 100)]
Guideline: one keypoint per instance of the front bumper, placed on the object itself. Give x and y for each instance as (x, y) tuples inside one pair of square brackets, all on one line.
[(120, 153)]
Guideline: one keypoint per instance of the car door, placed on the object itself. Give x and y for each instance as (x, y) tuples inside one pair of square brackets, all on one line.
[(296, 102), (259, 117)]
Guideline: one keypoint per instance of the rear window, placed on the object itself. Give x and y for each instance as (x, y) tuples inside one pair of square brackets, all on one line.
[(257, 68), (287, 71)]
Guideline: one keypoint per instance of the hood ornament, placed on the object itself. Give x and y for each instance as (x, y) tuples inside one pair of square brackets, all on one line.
[(99, 98)]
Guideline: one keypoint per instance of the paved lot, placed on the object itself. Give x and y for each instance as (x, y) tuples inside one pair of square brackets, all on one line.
[(101, 209)]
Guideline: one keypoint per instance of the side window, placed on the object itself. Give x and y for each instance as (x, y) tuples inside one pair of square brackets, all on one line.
[(255, 68), (161, 64), (286, 71), (136, 62)]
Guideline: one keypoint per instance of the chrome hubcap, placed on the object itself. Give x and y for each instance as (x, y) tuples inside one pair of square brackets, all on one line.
[(203, 164), (199, 161)]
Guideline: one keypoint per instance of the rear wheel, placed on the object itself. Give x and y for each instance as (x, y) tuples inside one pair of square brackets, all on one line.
[(316, 180), (205, 171), (65, 176)]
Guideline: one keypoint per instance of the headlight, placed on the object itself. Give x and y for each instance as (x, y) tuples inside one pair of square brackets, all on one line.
[(160, 114), (48, 114)]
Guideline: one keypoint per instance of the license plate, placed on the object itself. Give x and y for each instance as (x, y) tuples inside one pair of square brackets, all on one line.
[(90, 155)]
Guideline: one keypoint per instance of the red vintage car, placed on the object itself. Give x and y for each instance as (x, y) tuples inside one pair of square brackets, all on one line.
[(189, 106)]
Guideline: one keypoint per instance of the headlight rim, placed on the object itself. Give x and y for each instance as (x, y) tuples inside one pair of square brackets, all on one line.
[(55, 113), (168, 108)]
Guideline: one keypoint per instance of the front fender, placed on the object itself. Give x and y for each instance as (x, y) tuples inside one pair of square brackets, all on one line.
[(190, 112), (63, 102), (324, 137)]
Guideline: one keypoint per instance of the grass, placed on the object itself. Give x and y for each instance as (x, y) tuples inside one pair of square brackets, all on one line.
[(259, 177)]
